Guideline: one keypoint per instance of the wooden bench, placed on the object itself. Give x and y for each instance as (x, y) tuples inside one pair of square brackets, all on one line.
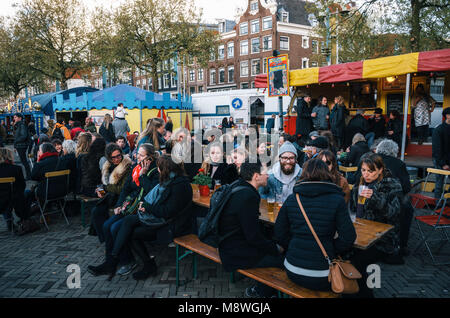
[(85, 202), (273, 277)]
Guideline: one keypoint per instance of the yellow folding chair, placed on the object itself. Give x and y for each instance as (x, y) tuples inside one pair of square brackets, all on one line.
[(49, 176), (11, 181)]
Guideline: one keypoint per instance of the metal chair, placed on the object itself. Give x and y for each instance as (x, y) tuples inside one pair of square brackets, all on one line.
[(423, 199), (438, 222), (11, 181), (48, 176), (347, 170)]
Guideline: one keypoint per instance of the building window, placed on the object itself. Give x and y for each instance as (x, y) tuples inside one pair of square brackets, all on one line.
[(244, 47), (166, 81), (192, 90), (221, 52), (221, 76), (254, 6), (313, 64), (267, 43), (159, 82), (200, 75), (256, 67), (200, 89), (244, 69), (265, 66), (174, 81), (212, 56), (253, 84), (230, 74), (230, 50), (285, 16), (315, 46), (191, 75), (255, 26), (244, 85), (255, 45), (223, 110), (284, 43), (243, 28), (222, 27), (305, 62), (305, 42), (267, 23), (212, 77)]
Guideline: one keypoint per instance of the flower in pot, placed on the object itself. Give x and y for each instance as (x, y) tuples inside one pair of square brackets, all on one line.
[(204, 182)]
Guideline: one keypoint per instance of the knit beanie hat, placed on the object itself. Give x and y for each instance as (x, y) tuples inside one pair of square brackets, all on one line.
[(288, 147)]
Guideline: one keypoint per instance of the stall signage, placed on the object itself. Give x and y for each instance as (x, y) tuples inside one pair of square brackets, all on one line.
[(278, 75)]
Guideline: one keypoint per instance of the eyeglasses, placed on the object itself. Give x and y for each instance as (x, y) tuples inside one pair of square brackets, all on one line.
[(116, 157), (287, 158)]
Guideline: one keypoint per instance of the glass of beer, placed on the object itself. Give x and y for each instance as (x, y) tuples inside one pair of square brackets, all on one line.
[(217, 185), (361, 199), (270, 204)]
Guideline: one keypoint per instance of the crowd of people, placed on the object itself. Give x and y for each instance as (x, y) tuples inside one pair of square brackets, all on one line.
[(141, 178)]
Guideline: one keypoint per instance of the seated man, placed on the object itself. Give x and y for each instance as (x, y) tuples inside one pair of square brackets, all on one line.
[(121, 141), (247, 247), (315, 146), (283, 175)]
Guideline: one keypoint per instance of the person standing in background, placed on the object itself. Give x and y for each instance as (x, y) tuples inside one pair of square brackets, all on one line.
[(270, 124), (377, 126), (120, 124), (441, 150), (304, 124), (21, 142), (89, 125), (422, 116), (107, 130), (323, 114), (169, 125), (337, 120)]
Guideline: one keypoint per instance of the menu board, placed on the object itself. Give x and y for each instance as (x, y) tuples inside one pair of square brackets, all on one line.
[(394, 102)]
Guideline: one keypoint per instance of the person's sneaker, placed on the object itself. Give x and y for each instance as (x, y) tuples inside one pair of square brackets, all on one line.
[(251, 292), (126, 269)]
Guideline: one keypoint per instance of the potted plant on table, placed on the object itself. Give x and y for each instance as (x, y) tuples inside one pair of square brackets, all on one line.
[(204, 182)]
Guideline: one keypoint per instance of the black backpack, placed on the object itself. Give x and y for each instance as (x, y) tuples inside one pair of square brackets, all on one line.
[(208, 232), (58, 134)]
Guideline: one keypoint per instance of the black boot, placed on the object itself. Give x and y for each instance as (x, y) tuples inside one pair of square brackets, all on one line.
[(98, 270), (148, 270)]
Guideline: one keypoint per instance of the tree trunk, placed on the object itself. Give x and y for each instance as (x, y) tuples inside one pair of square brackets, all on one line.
[(415, 26)]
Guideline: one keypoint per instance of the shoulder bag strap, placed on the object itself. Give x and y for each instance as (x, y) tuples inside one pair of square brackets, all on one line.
[(312, 229)]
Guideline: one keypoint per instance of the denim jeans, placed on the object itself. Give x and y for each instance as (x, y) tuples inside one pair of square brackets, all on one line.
[(370, 137), (110, 230), (439, 187)]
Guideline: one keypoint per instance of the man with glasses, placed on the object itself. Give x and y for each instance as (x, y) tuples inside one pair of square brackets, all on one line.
[(283, 175)]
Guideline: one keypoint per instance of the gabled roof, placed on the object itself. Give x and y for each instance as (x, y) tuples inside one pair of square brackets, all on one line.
[(296, 9)]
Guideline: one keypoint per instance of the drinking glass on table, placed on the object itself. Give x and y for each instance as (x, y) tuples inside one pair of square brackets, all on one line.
[(217, 185), (361, 199)]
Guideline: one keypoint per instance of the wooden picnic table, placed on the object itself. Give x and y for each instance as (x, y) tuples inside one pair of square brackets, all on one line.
[(368, 232)]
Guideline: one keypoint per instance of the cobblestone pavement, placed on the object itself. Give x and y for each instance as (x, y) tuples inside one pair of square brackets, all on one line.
[(34, 265)]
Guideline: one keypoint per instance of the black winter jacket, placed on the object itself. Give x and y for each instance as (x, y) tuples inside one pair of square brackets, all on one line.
[(337, 120), (304, 123), (21, 137), (175, 206), (107, 134), (90, 173), (396, 126), (327, 211), (57, 185), (357, 124), (355, 154), (441, 144), (377, 127), (248, 246), (15, 199)]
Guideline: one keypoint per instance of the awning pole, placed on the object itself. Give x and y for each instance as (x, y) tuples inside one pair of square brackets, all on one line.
[(405, 115)]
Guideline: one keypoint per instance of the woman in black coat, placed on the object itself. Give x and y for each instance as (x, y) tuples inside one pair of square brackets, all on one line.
[(359, 147), (394, 128), (337, 120), (304, 123), (327, 211), (107, 130), (90, 173), (214, 165)]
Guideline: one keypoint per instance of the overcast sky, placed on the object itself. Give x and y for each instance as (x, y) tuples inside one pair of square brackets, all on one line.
[(212, 9)]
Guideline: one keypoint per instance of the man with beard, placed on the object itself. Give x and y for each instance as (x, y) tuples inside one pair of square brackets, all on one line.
[(283, 175)]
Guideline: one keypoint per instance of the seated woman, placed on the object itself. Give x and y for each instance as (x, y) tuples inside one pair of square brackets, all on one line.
[(380, 201), (330, 159), (153, 134), (214, 164), (165, 214), (90, 174), (236, 159), (327, 211), (114, 174), (144, 178), (16, 199)]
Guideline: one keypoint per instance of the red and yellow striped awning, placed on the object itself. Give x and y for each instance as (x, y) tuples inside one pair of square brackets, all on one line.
[(431, 61)]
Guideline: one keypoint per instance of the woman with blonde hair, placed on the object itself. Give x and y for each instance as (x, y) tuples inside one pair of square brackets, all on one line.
[(84, 142), (214, 164), (153, 134), (107, 130)]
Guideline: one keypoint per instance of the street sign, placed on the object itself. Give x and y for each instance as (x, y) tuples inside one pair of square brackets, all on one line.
[(236, 103), (278, 75)]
